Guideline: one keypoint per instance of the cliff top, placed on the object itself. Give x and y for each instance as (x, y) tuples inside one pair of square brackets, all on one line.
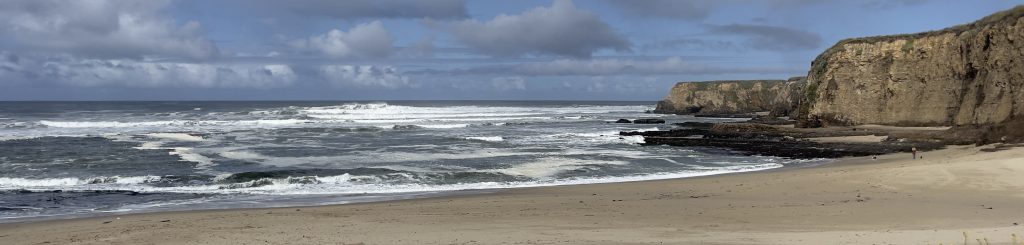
[(998, 17), (741, 83)]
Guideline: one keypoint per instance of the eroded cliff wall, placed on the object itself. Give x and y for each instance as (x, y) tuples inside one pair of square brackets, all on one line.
[(733, 97), (964, 75)]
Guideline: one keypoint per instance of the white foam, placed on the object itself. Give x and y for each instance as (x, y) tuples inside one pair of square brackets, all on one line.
[(9, 183), (172, 123), (188, 154), (549, 166), (176, 136), (366, 157), (23, 182), (486, 138), (242, 155), (444, 126), (152, 145), (350, 184), (583, 138)]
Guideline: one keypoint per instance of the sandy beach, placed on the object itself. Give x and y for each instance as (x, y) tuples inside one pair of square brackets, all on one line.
[(889, 200)]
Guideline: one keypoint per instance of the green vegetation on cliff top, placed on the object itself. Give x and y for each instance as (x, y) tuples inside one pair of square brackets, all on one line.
[(745, 84), (993, 19)]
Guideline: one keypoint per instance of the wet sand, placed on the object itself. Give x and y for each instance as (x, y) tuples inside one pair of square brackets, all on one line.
[(891, 200)]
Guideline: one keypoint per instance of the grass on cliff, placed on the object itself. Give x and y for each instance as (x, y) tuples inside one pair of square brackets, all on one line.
[(996, 18), (993, 19), (744, 84)]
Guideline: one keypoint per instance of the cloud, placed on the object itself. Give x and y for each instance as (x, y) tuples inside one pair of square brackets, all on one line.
[(77, 72), (766, 37), (368, 40), (673, 9), (508, 83), (363, 76), (101, 29), (131, 73), (560, 30), (422, 48), (12, 69), (608, 67), (364, 9), (691, 44)]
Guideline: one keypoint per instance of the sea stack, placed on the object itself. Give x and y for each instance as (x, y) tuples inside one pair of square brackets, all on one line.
[(733, 97)]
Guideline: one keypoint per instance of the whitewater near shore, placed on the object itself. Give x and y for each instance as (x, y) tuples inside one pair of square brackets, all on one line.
[(60, 159), (890, 200)]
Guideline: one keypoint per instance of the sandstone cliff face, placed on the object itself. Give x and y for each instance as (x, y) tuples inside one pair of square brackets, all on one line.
[(733, 97), (965, 75)]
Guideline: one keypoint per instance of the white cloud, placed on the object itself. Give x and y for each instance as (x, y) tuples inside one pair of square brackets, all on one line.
[(364, 76), (764, 37), (102, 29), (356, 9), (559, 30), (689, 10), (368, 40), (610, 67), (129, 73)]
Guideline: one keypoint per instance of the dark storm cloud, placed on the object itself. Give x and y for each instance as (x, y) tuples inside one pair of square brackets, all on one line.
[(766, 37), (354, 9), (560, 30)]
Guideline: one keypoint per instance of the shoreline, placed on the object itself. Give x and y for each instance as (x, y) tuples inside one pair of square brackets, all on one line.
[(397, 197), (853, 200)]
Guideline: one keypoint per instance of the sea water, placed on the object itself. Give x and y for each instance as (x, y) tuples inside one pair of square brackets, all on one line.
[(68, 159)]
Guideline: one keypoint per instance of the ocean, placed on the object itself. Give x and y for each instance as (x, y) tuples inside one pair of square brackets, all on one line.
[(73, 159)]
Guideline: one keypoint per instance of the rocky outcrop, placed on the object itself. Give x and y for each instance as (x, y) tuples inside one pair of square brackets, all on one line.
[(971, 74), (733, 97)]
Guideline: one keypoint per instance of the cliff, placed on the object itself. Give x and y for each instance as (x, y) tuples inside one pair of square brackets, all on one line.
[(970, 74), (733, 97)]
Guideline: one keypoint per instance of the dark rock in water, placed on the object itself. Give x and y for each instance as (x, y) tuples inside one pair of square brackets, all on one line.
[(669, 133), (405, 127), (649, 121), (760, 139), (791, 148), (771, 120), (623, 121), (695, 125), (726, 115)]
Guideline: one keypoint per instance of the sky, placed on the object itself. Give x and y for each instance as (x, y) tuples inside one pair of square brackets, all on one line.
[(429, 50)]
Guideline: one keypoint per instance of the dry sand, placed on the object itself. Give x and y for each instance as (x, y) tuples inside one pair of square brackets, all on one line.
[(892, 200)]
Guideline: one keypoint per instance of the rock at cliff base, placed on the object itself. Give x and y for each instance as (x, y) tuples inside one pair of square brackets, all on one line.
[(649, 121)]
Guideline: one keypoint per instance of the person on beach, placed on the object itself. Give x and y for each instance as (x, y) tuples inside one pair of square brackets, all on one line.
[(913, 152)]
